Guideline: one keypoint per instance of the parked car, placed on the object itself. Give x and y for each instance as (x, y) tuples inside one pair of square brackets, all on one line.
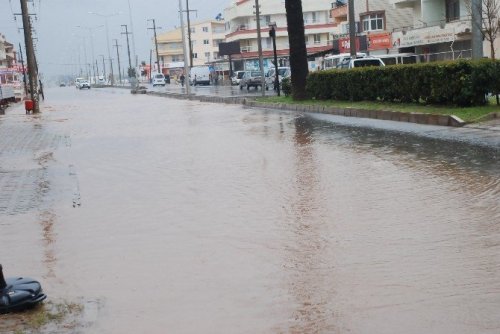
[(236, 78), (362, 62), (158, 80), (283, 72), (252, 79)]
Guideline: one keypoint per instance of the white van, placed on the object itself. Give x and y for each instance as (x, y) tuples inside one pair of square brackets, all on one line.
[(283, 72), (200, 75), (158, 80), (362, 62), (77, 82), (335, 60)]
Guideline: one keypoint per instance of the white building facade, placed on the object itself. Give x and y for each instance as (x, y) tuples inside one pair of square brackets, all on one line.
[(440, 29), (205, 39), (241, 26), (376, 20)]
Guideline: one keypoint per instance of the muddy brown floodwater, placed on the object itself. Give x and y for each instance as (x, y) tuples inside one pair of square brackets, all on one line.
[(167, 216)]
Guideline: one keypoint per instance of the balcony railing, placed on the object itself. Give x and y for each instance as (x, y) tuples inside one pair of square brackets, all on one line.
[(340, 11)]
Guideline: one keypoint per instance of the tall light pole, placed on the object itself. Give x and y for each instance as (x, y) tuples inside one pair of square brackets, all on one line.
[(91, 30), (84, 53), (183, 31), (103, 67), (107, 40), (132, 33), (259, 44)]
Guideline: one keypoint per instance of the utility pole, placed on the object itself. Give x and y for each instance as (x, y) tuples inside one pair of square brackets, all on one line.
[(128, 50), (259, 42), (118, 57), (150, 63), (97, 67), (133, 35), (156, 45), (24, 71), (477, 24), (352, 29), (189, 34), (30, 55), (186, 68)]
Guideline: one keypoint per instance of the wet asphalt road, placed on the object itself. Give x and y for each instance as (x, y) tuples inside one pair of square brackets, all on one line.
[(162, 215)]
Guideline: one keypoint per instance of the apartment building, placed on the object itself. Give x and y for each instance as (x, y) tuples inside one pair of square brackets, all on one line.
[(241, 26), (376, 20), (439, 30), (205, 39), (7, 53)]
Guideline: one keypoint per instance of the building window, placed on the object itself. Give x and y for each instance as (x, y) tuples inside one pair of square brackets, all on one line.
[(452, 10), (195, 55), (193, 30), (373, 22), (207, 55), (206, 41), (317, 38), (205, 29), (269, 43)]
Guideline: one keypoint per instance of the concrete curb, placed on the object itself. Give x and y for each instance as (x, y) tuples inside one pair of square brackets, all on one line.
[(418, 118)]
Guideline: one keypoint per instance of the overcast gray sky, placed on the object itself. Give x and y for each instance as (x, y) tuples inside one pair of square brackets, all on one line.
[(60, 41)]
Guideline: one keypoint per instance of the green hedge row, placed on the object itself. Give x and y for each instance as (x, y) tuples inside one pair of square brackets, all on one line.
[(461, 83)]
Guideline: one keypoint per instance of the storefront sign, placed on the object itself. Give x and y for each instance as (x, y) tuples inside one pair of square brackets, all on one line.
[(345, 44), (379, 41), (424, 37)]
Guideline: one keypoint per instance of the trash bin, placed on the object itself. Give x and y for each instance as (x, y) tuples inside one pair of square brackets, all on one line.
[(28, 105)]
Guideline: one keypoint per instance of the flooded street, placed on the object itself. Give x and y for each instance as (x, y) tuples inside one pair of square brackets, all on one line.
[(170, 216)]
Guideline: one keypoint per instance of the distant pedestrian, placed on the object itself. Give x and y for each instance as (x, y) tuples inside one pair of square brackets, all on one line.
[(182, 79)]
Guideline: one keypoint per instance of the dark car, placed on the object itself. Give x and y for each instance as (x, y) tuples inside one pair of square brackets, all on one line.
[(252, 79)]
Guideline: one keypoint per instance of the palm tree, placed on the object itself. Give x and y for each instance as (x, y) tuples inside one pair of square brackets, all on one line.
[(298, 50)]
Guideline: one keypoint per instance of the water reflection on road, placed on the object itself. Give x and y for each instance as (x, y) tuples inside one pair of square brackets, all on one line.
[(207, 218)]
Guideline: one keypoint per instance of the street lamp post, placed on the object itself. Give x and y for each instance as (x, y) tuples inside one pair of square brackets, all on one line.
[(91, 29), (103, 67), (272, 34), (259, 45), (107, 41)]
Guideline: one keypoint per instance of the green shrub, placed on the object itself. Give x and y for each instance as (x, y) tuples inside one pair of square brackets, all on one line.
[(461, 83), (286, 86)]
